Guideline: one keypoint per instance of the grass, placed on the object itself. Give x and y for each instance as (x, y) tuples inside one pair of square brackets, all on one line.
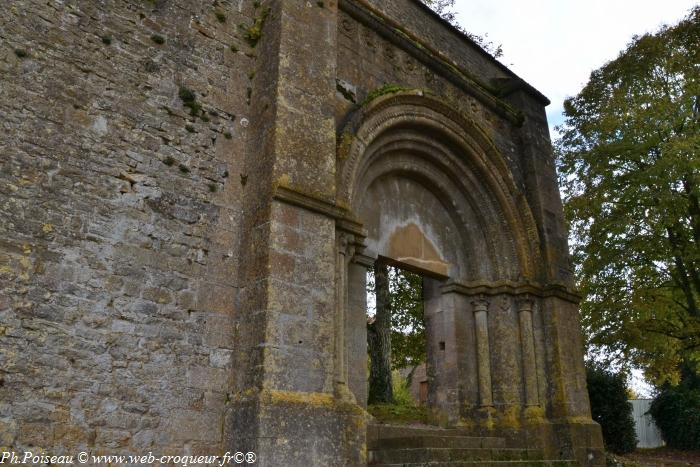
[(398, 414), (404, 410)]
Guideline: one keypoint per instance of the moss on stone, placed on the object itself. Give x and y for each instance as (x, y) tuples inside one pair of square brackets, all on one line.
[(509, 418), (344, 143), (314, 399), (534, 414), (383, 91), (189, 100)]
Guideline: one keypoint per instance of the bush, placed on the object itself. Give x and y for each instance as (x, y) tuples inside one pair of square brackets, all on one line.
[(402, 390), (676, 411), (610, 408)]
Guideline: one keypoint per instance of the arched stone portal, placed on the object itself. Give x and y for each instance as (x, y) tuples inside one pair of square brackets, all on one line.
[(434, 195)]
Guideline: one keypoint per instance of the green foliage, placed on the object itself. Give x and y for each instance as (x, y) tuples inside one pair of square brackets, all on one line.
[(398, 414), (629, 165), (402, 390), (408, 339), (253, 33), (676, 411), (106, 40), (444, 9), (158, 39), (21, 53), (404, 409), (220, 16), (609, 407)]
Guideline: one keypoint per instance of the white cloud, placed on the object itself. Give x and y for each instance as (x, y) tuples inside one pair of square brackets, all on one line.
[(555, 44)]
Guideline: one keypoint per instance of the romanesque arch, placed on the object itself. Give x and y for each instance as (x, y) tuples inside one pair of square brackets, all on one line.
[(422, 141), (434, 194)]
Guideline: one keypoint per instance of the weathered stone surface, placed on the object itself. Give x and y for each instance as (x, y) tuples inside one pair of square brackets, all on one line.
[(190, 194)]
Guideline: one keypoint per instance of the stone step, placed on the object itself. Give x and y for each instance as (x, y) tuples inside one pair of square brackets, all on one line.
[(472, 442), (426, 455), (525, 463), (425, 436)]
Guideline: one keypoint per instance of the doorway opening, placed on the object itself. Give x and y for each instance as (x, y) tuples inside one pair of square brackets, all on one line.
[(396, 344)]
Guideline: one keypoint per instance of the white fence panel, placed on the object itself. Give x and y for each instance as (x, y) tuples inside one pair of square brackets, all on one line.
[(648, 434)]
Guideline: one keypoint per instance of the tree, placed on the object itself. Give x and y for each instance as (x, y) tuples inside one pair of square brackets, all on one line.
[(444, 8), (396, 333), (629, 160), (408, 337), (609, 407), (676, 411), (379, 340)]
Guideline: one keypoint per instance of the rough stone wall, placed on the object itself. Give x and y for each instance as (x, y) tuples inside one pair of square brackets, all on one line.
[(119, 200)]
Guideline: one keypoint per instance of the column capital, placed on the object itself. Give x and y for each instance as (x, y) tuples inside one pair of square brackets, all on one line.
[(480, 303), (525, 303)]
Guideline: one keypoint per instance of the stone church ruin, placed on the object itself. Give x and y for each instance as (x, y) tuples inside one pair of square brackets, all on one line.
[(192, 193)]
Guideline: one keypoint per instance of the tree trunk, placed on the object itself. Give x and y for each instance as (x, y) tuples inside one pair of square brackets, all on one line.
[(379, 341)]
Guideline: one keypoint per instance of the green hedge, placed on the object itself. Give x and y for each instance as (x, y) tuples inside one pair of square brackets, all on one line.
[(676, 411), (610, 408)]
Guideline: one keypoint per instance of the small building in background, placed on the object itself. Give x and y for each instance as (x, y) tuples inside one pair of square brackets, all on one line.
[(648, 434)]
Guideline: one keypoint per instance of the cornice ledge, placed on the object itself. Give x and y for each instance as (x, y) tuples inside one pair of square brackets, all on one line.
[(512, 288), (344, 221)]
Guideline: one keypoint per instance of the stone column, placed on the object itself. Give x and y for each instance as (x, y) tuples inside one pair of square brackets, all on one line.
[(345, 250), (527, 342), (483, 351), (356, 327)]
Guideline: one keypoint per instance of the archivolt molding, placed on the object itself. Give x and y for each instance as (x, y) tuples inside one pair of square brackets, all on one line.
[(453, 147)]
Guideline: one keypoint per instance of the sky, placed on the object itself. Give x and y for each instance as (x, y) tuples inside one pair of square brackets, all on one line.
[(555, 44)]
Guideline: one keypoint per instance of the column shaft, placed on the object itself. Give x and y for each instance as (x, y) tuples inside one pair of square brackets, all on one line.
[(483, 352), (527, 341)]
